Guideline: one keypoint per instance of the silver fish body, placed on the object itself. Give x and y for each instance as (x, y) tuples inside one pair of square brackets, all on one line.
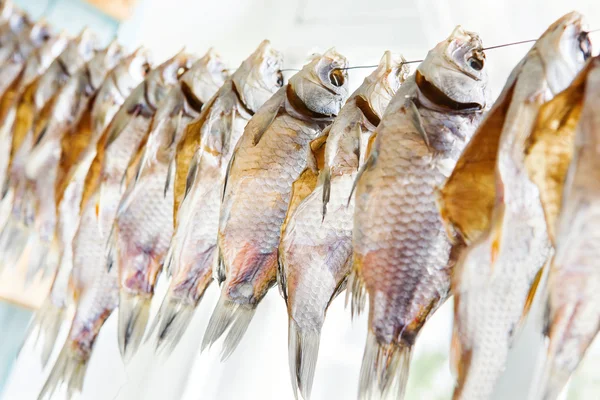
[(209, 145), (95, 288), (270, 156), (315, 253), (144, 223), (403, 258)]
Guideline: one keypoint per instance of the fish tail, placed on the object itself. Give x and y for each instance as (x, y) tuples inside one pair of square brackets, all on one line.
[(384, 370), (172, 319), (13, 240), (37, 258), (355, 293), (303, 349), (69, 369), (228, 314), (134, 311), (45, 327)]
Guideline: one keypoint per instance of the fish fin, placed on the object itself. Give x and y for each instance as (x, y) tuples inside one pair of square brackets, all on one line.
[(220, 274), (371, 160), (257, 127), (536, 286), (303, 350), (123, 119), (550, 146), (134, 311), (169, 258), (467, 198), (301, 188), (13, 242), (45, 327), (69, 369), (111, 245), (192, 174), (38, 254), (227, 315), (384, 370), (281, 280), (229, 165), (415, 115), (173, 318), (341, 286), (318, 147), (355, 293), (326, 176), (170, 177)]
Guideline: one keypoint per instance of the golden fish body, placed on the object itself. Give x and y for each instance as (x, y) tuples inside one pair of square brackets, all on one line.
[(315, 253), (573, 303), (34, 110), (193, 252), (144, 223), (403, 258), (494, 280), (95, 288), (270, 156)]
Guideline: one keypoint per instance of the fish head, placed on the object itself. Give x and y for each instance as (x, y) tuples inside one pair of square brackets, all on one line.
[(80, 50), (565, 47), (41, 58), (166, 75), (206, 76), (381, 85), (7, 8), (259, 76), (103, 62), (18, 21), (453, 73), (132, 70), (322, 84), (39, 33)]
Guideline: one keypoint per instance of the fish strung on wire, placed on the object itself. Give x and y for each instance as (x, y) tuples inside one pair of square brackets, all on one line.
[(403, 258), (144, 223), (95, 288), (203, 155), (492, 204), (271, 155), (315, 253), (66, 136), (32, 111), (562, 160)]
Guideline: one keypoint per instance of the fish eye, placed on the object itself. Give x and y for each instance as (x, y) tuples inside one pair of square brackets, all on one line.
[(279, 79), (146, 68), (336, 77), (475, 63), (585, 45), (180, 72)]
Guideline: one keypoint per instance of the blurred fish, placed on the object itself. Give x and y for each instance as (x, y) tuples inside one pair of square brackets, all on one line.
[(37, 61), (69, 125), (32, 37), (10, 32), (95, 289), (144, 223), (31, 112), (491, 203), (208, 145), (315, 253), (572, 211), (42, 165), (7, 8), (272, 153), (402, 255)]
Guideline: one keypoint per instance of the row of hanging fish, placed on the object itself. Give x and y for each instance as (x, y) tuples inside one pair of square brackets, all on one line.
[(413, 188)]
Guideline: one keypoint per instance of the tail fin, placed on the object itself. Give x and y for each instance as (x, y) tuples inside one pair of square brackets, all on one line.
[(384, 370), (355, 293), (303, 349), (69, 369), (13, 240), (134, 311), (552, 382), (172, 319), (38, 254), (45, 327), (228, 314)]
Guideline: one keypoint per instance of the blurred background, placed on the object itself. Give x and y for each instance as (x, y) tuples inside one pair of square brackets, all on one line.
[(362, 31)]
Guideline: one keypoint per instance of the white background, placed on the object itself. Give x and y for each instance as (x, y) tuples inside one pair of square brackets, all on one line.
[(362, 31)]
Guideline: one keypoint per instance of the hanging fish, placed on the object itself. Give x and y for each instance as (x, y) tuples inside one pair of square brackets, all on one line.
[(11, 33), (78, 145), (32, 111), (562, 160), (208, 145), (492, 204), (144, 223), (272, 153), (315, 253), (95, 290), (402, 256), (42, 165), (32, 37)]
